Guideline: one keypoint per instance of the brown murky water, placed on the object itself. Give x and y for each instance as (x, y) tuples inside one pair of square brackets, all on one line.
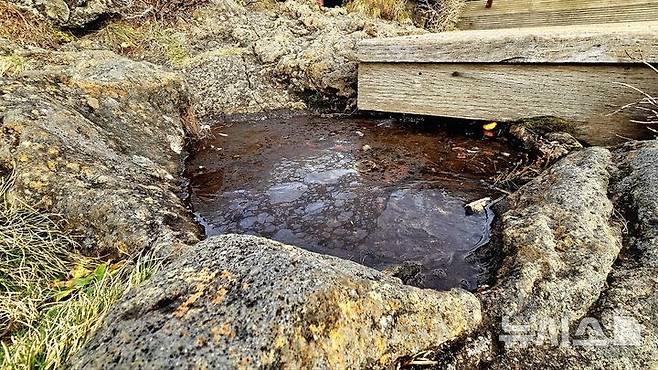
[(378, 192)]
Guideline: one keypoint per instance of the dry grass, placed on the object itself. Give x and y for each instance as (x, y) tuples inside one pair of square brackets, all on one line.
[(52, 298), (65, 326), (423, 359), (544, 140), (34, 250), (12, 65), (522, 173), (152, 40), (27, 29), (394, 10), (438, 15), (647, 106), (160, 9), (434, 15)]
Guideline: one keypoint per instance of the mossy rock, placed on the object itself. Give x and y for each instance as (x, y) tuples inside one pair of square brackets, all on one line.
[(546, 124)]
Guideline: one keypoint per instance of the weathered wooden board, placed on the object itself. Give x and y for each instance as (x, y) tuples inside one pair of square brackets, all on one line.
[(530, 13), (610, 43), (506, 92)]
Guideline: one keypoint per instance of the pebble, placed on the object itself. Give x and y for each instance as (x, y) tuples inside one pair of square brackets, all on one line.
[(93, 103)]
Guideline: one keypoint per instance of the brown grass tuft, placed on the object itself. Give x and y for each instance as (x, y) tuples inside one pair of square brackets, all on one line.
[(646, 108), (437, 15), (393, 10), (34, 250), (27, 29), (190, 123), (160, 9), (156, 41), (434, 15)]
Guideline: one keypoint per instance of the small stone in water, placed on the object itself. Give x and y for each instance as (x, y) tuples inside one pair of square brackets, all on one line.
[(477, 206)]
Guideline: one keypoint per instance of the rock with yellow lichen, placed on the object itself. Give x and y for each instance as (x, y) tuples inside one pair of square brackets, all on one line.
[(247, 302), (98, 138)]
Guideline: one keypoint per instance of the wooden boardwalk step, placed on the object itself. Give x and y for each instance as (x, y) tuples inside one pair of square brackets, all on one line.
[(581, 73), (533, 13), (600, 43)]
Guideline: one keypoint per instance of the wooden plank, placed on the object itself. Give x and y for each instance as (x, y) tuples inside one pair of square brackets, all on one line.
[(611, 43), (531, 13), (506, 92)]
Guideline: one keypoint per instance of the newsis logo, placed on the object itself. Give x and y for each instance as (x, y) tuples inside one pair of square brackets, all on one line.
[(624, 331)]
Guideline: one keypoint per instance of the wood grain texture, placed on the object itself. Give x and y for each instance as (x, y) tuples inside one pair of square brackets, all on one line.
[(530, 13), (585, 93), (610, 43)]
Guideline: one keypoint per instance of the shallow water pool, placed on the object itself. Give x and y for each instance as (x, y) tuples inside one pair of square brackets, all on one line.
[(379, 192)]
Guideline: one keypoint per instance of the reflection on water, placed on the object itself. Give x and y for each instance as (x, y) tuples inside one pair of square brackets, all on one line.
[(374, 192)]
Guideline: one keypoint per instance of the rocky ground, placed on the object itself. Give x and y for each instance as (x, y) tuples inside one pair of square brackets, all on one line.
[(100, 139), (260, 56), (578, 244)]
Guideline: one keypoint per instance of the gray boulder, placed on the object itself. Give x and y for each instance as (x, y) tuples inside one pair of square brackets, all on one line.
[(628, 306), (99, 139), (579, 244), (558, 244), (246, 302)]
